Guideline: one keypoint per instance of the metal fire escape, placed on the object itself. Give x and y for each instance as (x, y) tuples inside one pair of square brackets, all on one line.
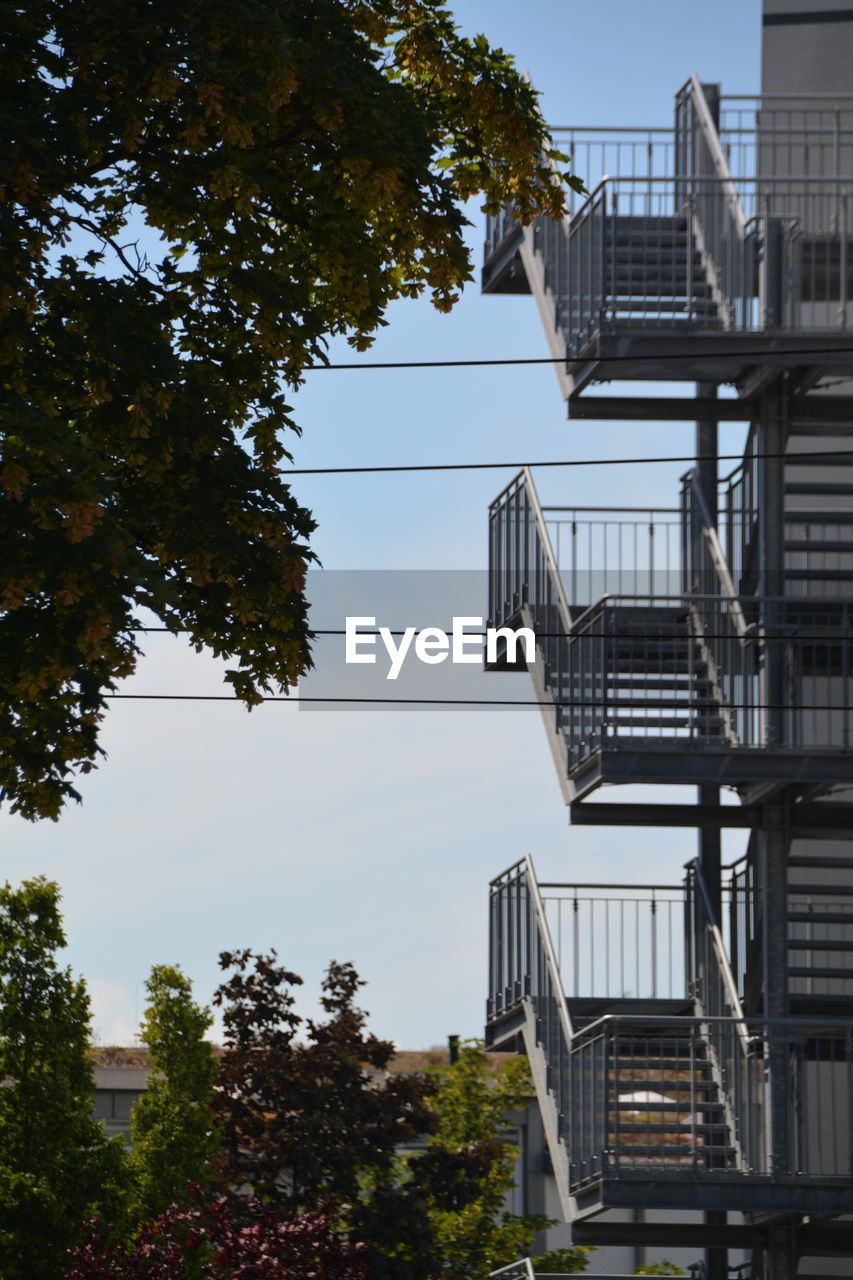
[(711, 644)]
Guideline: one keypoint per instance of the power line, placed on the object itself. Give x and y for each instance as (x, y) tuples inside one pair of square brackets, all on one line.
[(793, 458), (567, 360), (835, 637), (462, 702)]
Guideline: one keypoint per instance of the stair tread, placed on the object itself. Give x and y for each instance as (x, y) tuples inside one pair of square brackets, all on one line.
[(684, 1128), (834, 488), (652, 722), (805, 545), (809, 971), (815, 575), (676, 1151), (819, 516), (821, 917), (827, 890), (652, 1108), (822, 860), (819, 944), (668, 1086)]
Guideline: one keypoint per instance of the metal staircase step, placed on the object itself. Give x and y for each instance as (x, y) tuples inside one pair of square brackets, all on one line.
[(674, 305), (677, 1108), (655, 1063), (821, 917), (667, 702), (652, 722), (832, 890), (674, 1127), (806, 545), (833, 488), (823, 944), (802, 971), (665, 666), (646, 680), (647, 1083), (818, 575), (822, 860), (821, 516), (675, 1151)]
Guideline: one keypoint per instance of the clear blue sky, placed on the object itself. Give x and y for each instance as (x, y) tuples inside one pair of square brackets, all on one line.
[(371, 837)]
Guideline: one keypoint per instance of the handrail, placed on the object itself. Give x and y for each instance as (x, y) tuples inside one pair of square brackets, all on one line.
[(645, 511), (712, 140), (548, 948), (547, 551), (522, 1267), (723, 966), (829, 1025), (718, 558), (649, 888)]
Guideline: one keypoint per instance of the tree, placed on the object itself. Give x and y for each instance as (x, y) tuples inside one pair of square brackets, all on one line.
[(317, 1119), (303, 1118), (474, 1105), (56, 1165), (220, 1240), (662, 1268), (194, 198), (175, 1138)]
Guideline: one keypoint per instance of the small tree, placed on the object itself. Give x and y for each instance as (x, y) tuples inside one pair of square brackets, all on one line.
[(175, 1137), (220, 1240), (304, 1119), (56, 1164), (320, 1120), (473, 1106), (662, 1268)]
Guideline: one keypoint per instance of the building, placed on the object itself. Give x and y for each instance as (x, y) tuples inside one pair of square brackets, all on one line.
[(692, 1045)]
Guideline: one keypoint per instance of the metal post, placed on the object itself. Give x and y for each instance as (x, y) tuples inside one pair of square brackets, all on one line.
[(716, 1260), (771, 439), (774, 854), (781, 1254)]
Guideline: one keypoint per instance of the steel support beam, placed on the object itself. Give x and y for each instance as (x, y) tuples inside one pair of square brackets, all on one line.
[(820, 410), (675, 1234), (805, 820), (820, 1239)]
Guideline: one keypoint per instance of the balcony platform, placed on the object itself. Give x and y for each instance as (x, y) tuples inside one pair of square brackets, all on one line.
[(642, 352), (723, 1189), (693, 764)]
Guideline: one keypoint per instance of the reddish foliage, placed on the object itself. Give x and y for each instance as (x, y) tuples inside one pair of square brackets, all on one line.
[(227, 1239)]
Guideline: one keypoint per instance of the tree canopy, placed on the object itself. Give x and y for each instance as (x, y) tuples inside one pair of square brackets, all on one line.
[(56, 1165), (174, 1137), (194, 198)]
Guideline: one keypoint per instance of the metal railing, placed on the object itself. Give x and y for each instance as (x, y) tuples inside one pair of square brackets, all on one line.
[(656, 1101), (522, 964), (738, 523), (748, 208), (523, 571), (744, 908), (778, 134), (693, 665), (625, 550), (525, 1269), (620, 941), (499, 227)]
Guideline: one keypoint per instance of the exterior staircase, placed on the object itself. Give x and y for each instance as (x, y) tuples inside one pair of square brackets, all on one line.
[(655, 677), (663, 1103), (657, 273)]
